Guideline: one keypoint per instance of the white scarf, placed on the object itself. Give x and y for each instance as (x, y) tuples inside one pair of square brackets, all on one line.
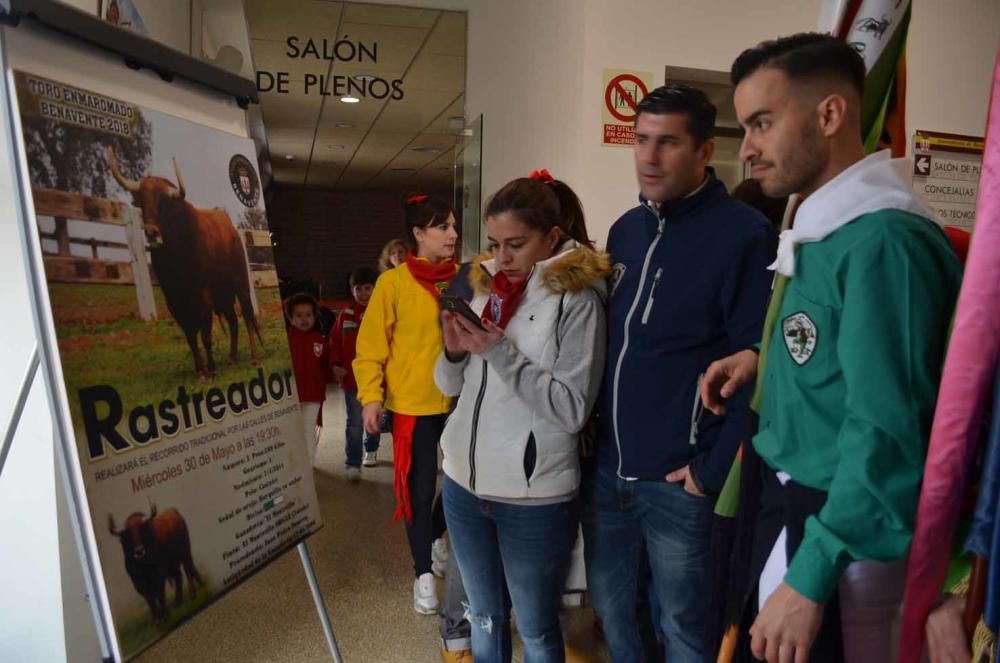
[(875, 183)]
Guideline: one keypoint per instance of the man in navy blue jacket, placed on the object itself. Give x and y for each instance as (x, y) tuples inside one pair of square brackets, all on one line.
[(690, 286)]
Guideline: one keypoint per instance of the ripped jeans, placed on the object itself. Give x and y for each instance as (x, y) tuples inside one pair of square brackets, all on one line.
[(529, 547)]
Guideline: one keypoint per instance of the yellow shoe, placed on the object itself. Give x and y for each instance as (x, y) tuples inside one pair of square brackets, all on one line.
[(460, 656), (574, 655)]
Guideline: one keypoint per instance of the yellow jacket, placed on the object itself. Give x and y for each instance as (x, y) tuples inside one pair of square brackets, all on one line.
[(398, 344)]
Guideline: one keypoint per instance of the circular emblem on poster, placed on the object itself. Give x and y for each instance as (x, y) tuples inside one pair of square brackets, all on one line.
[(243, 177)]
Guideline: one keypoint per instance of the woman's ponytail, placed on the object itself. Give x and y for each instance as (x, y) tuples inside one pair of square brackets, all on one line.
[(542, 202), (572, 222)]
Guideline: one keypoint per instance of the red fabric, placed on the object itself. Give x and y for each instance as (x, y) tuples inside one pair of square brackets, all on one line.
[(434, 277), (850, 13), (959, 241), (416, 199), (402, 448), (310, 363), (344, 342), (542, 175), (505, 297), (336, 304)]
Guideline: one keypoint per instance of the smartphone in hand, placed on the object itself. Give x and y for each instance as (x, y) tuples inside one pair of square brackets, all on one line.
[(457, 305)]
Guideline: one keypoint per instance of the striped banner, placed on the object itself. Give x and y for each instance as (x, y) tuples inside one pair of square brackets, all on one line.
[(877, 30)]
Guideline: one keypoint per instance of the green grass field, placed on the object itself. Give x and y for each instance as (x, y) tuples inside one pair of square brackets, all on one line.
[(137, 630), (102, 341)]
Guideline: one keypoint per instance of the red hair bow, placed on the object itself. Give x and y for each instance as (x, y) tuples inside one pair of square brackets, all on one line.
[(542, 175), (413, 200)]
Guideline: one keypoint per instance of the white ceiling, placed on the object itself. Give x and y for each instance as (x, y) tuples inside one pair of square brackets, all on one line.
[(425, 48)]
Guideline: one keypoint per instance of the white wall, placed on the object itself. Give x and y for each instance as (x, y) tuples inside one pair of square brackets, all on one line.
[(524, 74), (535, 69), (224, 24), (168, 22), (648, 35), (950, 58)]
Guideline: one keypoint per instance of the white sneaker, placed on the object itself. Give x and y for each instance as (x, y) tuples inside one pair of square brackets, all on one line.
[(371, 459), (353, 474), (425, 600), (438, 569), (439, 551)]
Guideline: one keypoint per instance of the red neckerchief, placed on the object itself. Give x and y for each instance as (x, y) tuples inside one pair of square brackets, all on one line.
[(434, 278), (505, 297), (402, 460)]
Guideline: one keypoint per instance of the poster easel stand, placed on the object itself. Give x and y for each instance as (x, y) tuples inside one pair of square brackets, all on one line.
[(19, 400), (324, 616), (307, 566), (43, 356)]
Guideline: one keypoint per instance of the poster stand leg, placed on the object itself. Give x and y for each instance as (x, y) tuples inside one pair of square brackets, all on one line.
[(19, 402), (324, 617)]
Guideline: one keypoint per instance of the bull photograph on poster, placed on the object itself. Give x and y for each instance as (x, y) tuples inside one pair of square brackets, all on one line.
[(172, 343)]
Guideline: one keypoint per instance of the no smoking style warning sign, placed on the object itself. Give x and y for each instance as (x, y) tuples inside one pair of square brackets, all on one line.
[(623, 90)]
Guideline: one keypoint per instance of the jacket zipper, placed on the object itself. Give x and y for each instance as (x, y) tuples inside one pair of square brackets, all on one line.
[(696, 412), (652, 293), (628, 322), (475, 432)]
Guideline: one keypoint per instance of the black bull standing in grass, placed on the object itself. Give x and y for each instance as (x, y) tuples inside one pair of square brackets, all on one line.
[(199, 262), (155, 550)]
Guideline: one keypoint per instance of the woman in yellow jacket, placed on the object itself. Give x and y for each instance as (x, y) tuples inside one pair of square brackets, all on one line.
[(398, 344)]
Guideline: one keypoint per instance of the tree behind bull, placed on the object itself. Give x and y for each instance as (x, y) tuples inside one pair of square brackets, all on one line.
[(74, 159)]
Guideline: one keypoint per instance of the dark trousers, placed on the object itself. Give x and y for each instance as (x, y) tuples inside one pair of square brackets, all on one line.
[(428, 514)]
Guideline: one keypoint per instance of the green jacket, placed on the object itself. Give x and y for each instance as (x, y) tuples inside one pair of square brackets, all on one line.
[(850, 386)]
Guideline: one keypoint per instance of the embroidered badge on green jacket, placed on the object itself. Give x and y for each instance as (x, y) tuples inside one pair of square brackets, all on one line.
[(800, 334)]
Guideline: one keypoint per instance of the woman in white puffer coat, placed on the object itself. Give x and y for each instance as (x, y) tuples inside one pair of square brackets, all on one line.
[(527, 382)]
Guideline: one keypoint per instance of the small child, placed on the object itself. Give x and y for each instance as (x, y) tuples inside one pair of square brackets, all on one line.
[(310, 361), (343, 341)]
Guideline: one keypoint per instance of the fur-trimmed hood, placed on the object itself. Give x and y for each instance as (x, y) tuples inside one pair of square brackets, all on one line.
[(574, 268), (515, 431)]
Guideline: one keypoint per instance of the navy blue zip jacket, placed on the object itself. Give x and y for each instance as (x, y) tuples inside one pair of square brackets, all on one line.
[(690, 286)]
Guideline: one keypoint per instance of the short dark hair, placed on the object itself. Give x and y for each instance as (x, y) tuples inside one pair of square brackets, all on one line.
[(300, 299), (423, 211), (807, 55), (680, 98), (363, 276)]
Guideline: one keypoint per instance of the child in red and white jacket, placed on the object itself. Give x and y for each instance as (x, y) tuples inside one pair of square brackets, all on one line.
[(343, 342), (310, 361)]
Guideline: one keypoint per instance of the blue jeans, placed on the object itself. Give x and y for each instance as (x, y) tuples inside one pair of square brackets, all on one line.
[(621, 520), (355, 434), (529, 547)]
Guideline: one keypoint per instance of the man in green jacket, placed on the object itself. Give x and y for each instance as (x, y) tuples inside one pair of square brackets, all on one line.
[(853, 354)]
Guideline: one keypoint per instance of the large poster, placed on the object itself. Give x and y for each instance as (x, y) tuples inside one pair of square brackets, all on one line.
[(173, 350)]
